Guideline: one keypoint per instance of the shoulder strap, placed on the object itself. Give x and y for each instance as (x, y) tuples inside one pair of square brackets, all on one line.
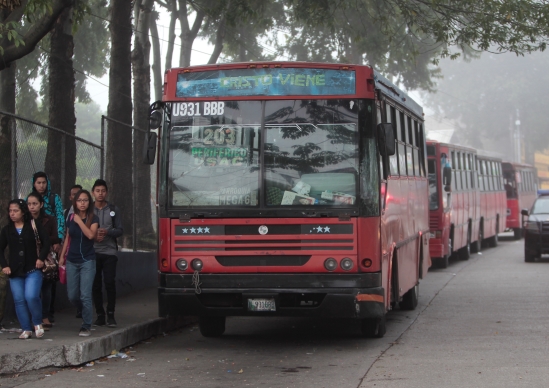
[(36, 237)]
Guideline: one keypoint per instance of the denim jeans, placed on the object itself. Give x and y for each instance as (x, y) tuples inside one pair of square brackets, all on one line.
[(79, 288), (106, 271), (26, 297)]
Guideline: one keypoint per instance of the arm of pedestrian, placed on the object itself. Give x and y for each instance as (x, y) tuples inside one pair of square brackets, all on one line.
[(90, 232), (45, 242), (64, 249), (116, 230)]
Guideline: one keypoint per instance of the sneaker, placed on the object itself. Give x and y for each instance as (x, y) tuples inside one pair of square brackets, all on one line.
[(84, 332), (111, 322), (100, 321)]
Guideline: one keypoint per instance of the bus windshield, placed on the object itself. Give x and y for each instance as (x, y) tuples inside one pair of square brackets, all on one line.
[(310, 153), (433, 184)]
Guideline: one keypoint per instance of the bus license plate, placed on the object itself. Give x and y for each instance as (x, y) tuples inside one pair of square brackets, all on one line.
[(261, 305)]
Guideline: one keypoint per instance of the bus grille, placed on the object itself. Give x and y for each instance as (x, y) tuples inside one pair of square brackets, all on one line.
[(433, 222)]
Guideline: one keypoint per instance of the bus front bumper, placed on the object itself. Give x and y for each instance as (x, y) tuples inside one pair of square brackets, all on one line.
[(305, 295)]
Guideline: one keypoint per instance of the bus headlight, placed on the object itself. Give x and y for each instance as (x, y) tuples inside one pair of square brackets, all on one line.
[(197, 264), (182, 264), (330, 264), (347, 264)]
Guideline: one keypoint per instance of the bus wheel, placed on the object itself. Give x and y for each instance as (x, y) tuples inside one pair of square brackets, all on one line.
[(493, 241), (373, 327), (409, 299), (476, 247), (465, 252), (212, 326), (517, 233), (442, 262)]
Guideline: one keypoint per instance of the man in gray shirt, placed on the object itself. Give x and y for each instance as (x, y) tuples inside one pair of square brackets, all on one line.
[(106, 248)]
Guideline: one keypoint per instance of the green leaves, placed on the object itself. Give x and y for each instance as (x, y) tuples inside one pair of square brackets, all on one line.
[(9, 30)]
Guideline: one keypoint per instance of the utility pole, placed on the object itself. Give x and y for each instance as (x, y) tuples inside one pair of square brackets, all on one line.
[(517, 138)]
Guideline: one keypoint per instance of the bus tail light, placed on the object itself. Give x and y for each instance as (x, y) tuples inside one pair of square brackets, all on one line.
[(366, 263), (330, 264), (347, 264), (182, 264), (197, 264)]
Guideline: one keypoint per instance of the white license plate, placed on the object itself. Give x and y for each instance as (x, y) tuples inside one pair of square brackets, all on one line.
[(261, 305)]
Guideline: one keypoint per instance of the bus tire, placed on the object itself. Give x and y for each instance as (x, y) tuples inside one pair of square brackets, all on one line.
[(517, 233), (476, 247), (442, 262), (212, 326), (410, 298), (493, 241), (465, 252), (373, 327)]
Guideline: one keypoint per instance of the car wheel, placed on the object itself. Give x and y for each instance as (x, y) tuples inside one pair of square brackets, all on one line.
[(529, 257)]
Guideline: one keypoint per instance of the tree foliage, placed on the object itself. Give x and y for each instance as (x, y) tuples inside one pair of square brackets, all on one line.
[(485, 95)]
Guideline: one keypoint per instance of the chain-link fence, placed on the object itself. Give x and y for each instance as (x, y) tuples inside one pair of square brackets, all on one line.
[(69, 160)]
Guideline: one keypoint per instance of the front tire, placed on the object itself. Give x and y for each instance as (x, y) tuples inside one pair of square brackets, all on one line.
[(212, 326), (373, 327), (465, 252), (528, 256), (493, 241), (476, 247), (410, 299)]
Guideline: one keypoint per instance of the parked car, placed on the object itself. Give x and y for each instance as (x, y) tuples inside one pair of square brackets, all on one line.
[(536, 229)]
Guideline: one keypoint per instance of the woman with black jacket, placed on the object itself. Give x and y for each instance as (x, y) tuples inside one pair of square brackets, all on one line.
[(35, 202), (25, 265)]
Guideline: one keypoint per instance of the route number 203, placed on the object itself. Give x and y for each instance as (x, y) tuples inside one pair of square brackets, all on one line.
[(213, 108)]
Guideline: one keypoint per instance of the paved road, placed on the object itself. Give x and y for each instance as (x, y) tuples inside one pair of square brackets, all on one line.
[(480, 323)]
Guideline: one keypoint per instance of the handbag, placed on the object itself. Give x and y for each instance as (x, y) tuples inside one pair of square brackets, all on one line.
[(50, 270), (62, 274)]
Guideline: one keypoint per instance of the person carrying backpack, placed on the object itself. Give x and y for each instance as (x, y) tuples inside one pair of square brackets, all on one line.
[(106, 248)]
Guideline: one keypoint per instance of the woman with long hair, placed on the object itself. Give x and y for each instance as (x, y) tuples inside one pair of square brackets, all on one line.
[(35, 202), (80, 256), (25, 265)]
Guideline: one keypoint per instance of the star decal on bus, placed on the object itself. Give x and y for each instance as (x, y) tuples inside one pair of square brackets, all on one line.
[(194, 230), (320, 229)]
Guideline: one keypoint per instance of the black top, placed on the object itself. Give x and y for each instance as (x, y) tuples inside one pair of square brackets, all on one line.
[(23, 254)]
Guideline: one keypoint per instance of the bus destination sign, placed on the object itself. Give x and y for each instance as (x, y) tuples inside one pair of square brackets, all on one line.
[(266, 82)]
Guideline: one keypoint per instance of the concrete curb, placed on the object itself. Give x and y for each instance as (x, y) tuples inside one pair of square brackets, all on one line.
[(89, 349)]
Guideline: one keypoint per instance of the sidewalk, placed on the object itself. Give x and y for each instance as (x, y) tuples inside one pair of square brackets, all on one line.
[(137, 318)]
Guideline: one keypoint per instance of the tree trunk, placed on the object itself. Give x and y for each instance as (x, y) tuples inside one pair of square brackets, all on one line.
[(157, 61), (7, 125), (171, 33), (61, 107), (219, 36), (119, 137), (188, 35), (142, 96)]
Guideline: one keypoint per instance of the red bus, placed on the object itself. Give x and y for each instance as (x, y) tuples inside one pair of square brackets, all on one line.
[(493, 199), (521, 187), (289, 189), (466, 203)]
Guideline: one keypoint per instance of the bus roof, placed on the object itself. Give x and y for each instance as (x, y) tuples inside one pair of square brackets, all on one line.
[(382, 83)]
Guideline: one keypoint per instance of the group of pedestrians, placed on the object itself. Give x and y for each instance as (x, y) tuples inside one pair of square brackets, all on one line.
[(83, 238)]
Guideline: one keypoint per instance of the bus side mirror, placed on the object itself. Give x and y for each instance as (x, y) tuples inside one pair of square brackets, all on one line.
[(447, 188), (155, 119), (447, 176), (149, 150), (524, 212), (386, 139)]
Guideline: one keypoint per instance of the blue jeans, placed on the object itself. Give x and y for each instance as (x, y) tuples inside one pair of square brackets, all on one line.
[(26, 297), (79, 287)]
